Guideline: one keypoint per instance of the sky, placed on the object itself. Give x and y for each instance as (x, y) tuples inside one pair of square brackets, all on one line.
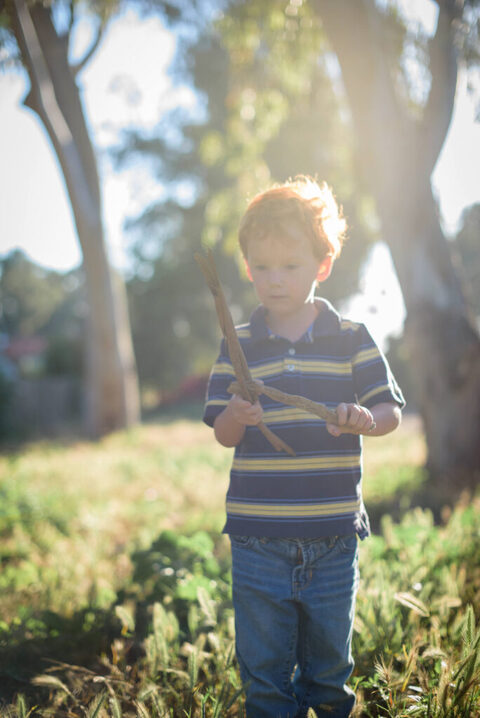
[(119, 92)]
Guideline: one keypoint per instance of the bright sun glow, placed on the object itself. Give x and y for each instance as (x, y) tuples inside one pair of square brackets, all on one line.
[(119, 92)]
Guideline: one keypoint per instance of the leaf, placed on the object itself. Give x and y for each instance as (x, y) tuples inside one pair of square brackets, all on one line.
[(96, 706), (142, 711), (21, 707), (115, 707), (126, 619), (469, 633), (208, 606), (413, 603)]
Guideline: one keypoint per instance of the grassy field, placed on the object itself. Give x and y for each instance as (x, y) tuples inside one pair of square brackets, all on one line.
[(115, 593)]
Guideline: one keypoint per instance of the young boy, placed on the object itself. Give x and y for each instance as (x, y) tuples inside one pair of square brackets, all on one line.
[(294, 521)]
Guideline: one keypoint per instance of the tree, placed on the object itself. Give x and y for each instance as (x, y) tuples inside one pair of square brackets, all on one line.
[(35, 301), (112, 390), (398, 140), (29, 295), (468, 256)]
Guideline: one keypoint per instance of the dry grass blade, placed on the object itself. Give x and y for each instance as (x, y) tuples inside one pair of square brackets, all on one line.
[(52, 682), (413, 603)]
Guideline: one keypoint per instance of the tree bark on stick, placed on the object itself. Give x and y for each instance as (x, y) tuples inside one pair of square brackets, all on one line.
[(112, 388), (245, 382), (397, 152)]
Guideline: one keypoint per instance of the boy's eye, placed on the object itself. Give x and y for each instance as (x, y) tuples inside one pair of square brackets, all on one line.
[(292, 266)]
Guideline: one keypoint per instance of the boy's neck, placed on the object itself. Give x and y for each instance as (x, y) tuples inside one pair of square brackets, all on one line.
[(292, 327)]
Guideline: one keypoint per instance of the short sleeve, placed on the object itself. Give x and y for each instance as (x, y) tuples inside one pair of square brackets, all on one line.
[(221, 377), (373, 380)]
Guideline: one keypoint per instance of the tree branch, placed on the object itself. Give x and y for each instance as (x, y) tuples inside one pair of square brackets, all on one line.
[(71, 20), (356, 35), (43, 100), (438, 112), (235, 351), (78, 67)]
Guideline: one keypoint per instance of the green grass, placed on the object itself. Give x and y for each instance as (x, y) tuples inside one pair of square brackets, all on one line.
[(115, 588)]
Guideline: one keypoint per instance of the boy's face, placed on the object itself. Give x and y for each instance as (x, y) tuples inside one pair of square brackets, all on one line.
[(284, 273)]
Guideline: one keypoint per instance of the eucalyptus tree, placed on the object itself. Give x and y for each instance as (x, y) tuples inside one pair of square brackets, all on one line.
[(33, 38), (468, 256), (400, 125)]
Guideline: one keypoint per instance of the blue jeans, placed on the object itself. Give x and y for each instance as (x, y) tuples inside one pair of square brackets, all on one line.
[(294, 602)]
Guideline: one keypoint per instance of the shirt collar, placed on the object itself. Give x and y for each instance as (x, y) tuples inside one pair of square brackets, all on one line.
[(326, 323)]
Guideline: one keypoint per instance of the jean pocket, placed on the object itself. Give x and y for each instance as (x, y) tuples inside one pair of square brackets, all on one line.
[(348, 544), (241, 541)]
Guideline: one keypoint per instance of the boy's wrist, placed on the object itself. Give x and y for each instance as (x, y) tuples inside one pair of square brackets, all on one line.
[(231, 414)]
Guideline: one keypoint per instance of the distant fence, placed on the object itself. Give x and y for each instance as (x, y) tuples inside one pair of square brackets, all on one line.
[(46, 406)]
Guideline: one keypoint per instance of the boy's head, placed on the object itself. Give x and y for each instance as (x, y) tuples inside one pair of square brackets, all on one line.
[(298, 207)]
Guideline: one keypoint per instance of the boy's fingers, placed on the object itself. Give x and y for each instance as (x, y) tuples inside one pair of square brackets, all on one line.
[(334, 430), (352, 419), (354, 415), (342, 414)]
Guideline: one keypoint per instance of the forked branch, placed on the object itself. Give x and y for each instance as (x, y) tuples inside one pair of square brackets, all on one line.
[(245, 386)]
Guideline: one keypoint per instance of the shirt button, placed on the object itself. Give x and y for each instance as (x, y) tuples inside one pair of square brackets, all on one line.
[(291, 351), (290, 367)]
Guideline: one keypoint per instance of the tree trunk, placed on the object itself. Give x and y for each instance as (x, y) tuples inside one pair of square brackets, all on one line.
[(112, 389), (397, 153)]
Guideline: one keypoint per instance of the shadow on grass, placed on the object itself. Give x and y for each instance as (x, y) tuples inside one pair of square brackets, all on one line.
[(27, 650), (172, 571), (423, 495)]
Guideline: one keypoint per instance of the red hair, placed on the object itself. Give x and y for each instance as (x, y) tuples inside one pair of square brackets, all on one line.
[(300, 204)]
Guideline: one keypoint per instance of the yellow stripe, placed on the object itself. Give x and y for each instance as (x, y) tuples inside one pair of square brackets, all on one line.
[(243, 332), (346, 324), (304, 366), (305, 463), (366, 355), (268, 369), (278, 416), (217, 402), (274, 368), (323, 367), (373, 392), (223, 367), (344, 507)]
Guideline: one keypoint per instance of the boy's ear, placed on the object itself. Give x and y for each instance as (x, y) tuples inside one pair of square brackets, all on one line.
[(325, 269), (247, 269)]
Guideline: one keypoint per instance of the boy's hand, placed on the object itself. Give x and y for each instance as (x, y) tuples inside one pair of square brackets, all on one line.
[(245, 413), (352, 419)]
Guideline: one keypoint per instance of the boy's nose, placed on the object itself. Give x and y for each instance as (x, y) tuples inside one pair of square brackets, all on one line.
[(275, 277)]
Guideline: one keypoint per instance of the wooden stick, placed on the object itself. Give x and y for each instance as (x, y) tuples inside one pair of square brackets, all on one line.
[(300, 402), (246, 385)]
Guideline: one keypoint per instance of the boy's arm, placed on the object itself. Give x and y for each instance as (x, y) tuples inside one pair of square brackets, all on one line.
[(381, 419), (230, 425)]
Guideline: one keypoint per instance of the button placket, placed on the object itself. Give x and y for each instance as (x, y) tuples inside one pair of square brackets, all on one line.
[(288, 361)]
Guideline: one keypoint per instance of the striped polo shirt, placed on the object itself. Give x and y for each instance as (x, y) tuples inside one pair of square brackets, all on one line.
[(317, 492)]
